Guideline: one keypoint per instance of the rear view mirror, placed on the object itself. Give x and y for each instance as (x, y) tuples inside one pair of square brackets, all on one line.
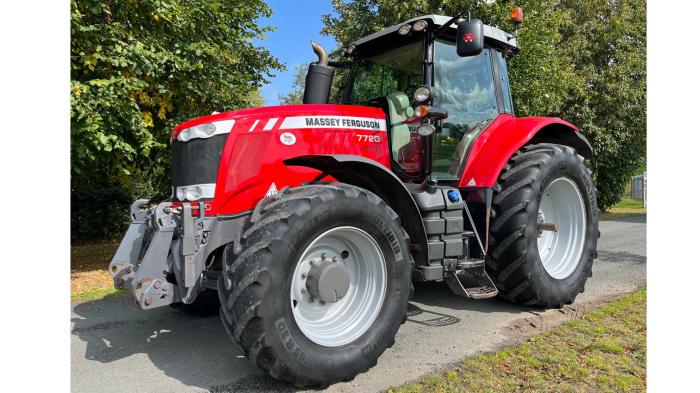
[(470, 37)]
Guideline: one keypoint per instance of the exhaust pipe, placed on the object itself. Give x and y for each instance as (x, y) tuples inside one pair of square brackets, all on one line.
[(321, 53), (319, 78)]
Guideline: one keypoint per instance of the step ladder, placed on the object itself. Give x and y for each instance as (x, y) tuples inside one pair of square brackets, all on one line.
[(470, 280)]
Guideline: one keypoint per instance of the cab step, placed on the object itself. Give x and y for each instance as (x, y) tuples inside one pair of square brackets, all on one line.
[(481, 292), (471, 281)]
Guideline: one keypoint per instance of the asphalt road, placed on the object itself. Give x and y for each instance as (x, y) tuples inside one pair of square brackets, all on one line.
[(118, 348)]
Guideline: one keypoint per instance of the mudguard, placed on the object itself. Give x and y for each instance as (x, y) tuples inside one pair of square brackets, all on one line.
[(368, 174), (505, 135)]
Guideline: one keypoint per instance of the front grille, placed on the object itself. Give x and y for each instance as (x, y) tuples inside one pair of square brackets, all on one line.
[(197, 161)]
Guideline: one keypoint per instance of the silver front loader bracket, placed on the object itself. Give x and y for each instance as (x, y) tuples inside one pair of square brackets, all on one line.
[(150, 287), (124, 263)]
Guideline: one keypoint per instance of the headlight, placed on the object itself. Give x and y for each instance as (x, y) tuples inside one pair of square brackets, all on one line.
[(403, 30), (422, 94), (195, 192), (206, 130), (425, 129), (420, 25)]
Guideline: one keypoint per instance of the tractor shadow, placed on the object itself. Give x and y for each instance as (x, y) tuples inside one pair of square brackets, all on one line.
[(192, 349), (196, 351), (434, 305)]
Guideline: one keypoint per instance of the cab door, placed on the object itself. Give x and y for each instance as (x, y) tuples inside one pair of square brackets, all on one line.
[(467, 88)]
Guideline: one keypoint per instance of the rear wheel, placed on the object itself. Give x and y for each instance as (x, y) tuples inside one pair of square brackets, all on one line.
[(544, 234), (320, 286)]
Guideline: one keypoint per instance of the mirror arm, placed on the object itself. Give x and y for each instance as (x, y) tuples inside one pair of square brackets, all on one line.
[(449, 23)]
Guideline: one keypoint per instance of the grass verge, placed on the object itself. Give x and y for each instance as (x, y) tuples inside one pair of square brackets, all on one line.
[(605, 351), (96, 294), (89, 279), (624, 208)]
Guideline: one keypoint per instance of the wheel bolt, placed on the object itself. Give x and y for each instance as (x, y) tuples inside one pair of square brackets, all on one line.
[(303, 275), (322, 302), (335, 259)]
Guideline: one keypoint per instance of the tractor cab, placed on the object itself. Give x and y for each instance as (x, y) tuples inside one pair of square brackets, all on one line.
[(438, 95)]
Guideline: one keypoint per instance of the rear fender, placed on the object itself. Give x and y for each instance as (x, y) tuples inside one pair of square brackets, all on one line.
[(492, 149), (370, 175)]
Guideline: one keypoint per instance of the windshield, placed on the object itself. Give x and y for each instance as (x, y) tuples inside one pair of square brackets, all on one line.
[(395, 70)]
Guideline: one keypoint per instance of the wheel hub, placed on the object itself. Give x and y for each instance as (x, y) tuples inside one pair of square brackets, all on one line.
[(328, 281), (561, 224), (338, 286)]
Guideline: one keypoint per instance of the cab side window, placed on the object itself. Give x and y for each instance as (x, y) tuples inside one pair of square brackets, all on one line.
[(505, 82)]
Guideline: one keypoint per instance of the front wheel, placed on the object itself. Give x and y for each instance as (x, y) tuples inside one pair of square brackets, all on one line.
[(320, 286), (544, 233)]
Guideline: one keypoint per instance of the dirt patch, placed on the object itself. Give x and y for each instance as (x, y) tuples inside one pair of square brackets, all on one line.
[(541, 320), (88, 266)]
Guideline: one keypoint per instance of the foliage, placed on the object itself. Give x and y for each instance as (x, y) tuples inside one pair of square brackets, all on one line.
[(606, 43), (296, 96), (582, 60), (624, 208), (137, 69)]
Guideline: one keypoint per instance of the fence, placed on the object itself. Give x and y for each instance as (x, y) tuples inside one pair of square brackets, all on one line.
[(639, 188)]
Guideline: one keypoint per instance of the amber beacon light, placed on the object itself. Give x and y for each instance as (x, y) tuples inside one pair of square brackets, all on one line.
[(516, 16)]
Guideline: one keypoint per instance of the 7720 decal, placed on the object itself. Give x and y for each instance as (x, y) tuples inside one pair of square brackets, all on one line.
[(369, 138)]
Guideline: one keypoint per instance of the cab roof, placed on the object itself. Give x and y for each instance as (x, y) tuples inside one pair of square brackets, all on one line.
[(492, 34)]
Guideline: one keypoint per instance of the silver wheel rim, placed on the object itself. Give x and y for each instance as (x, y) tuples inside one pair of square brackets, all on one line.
[(561, 250), (339, 323)]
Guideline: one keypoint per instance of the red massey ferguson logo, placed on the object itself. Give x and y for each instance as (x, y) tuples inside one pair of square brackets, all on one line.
[(468, 37)]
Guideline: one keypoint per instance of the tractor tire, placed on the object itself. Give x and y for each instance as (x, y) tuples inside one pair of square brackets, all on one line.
[(531, 265), (280, 321)]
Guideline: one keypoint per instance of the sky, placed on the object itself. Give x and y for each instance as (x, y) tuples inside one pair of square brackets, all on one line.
[(297, 23)]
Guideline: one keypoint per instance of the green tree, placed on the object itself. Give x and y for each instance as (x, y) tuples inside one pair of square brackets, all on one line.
[(606, 43), (296, 95), (582, 60), (138, 67)]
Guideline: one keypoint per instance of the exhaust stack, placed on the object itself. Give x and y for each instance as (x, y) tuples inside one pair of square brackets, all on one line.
[(319, 78)]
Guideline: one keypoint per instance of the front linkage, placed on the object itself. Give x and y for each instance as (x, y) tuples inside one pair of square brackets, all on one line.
[(163, 255)]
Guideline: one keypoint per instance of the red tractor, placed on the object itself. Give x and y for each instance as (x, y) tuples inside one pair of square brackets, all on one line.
[(312, 221)]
